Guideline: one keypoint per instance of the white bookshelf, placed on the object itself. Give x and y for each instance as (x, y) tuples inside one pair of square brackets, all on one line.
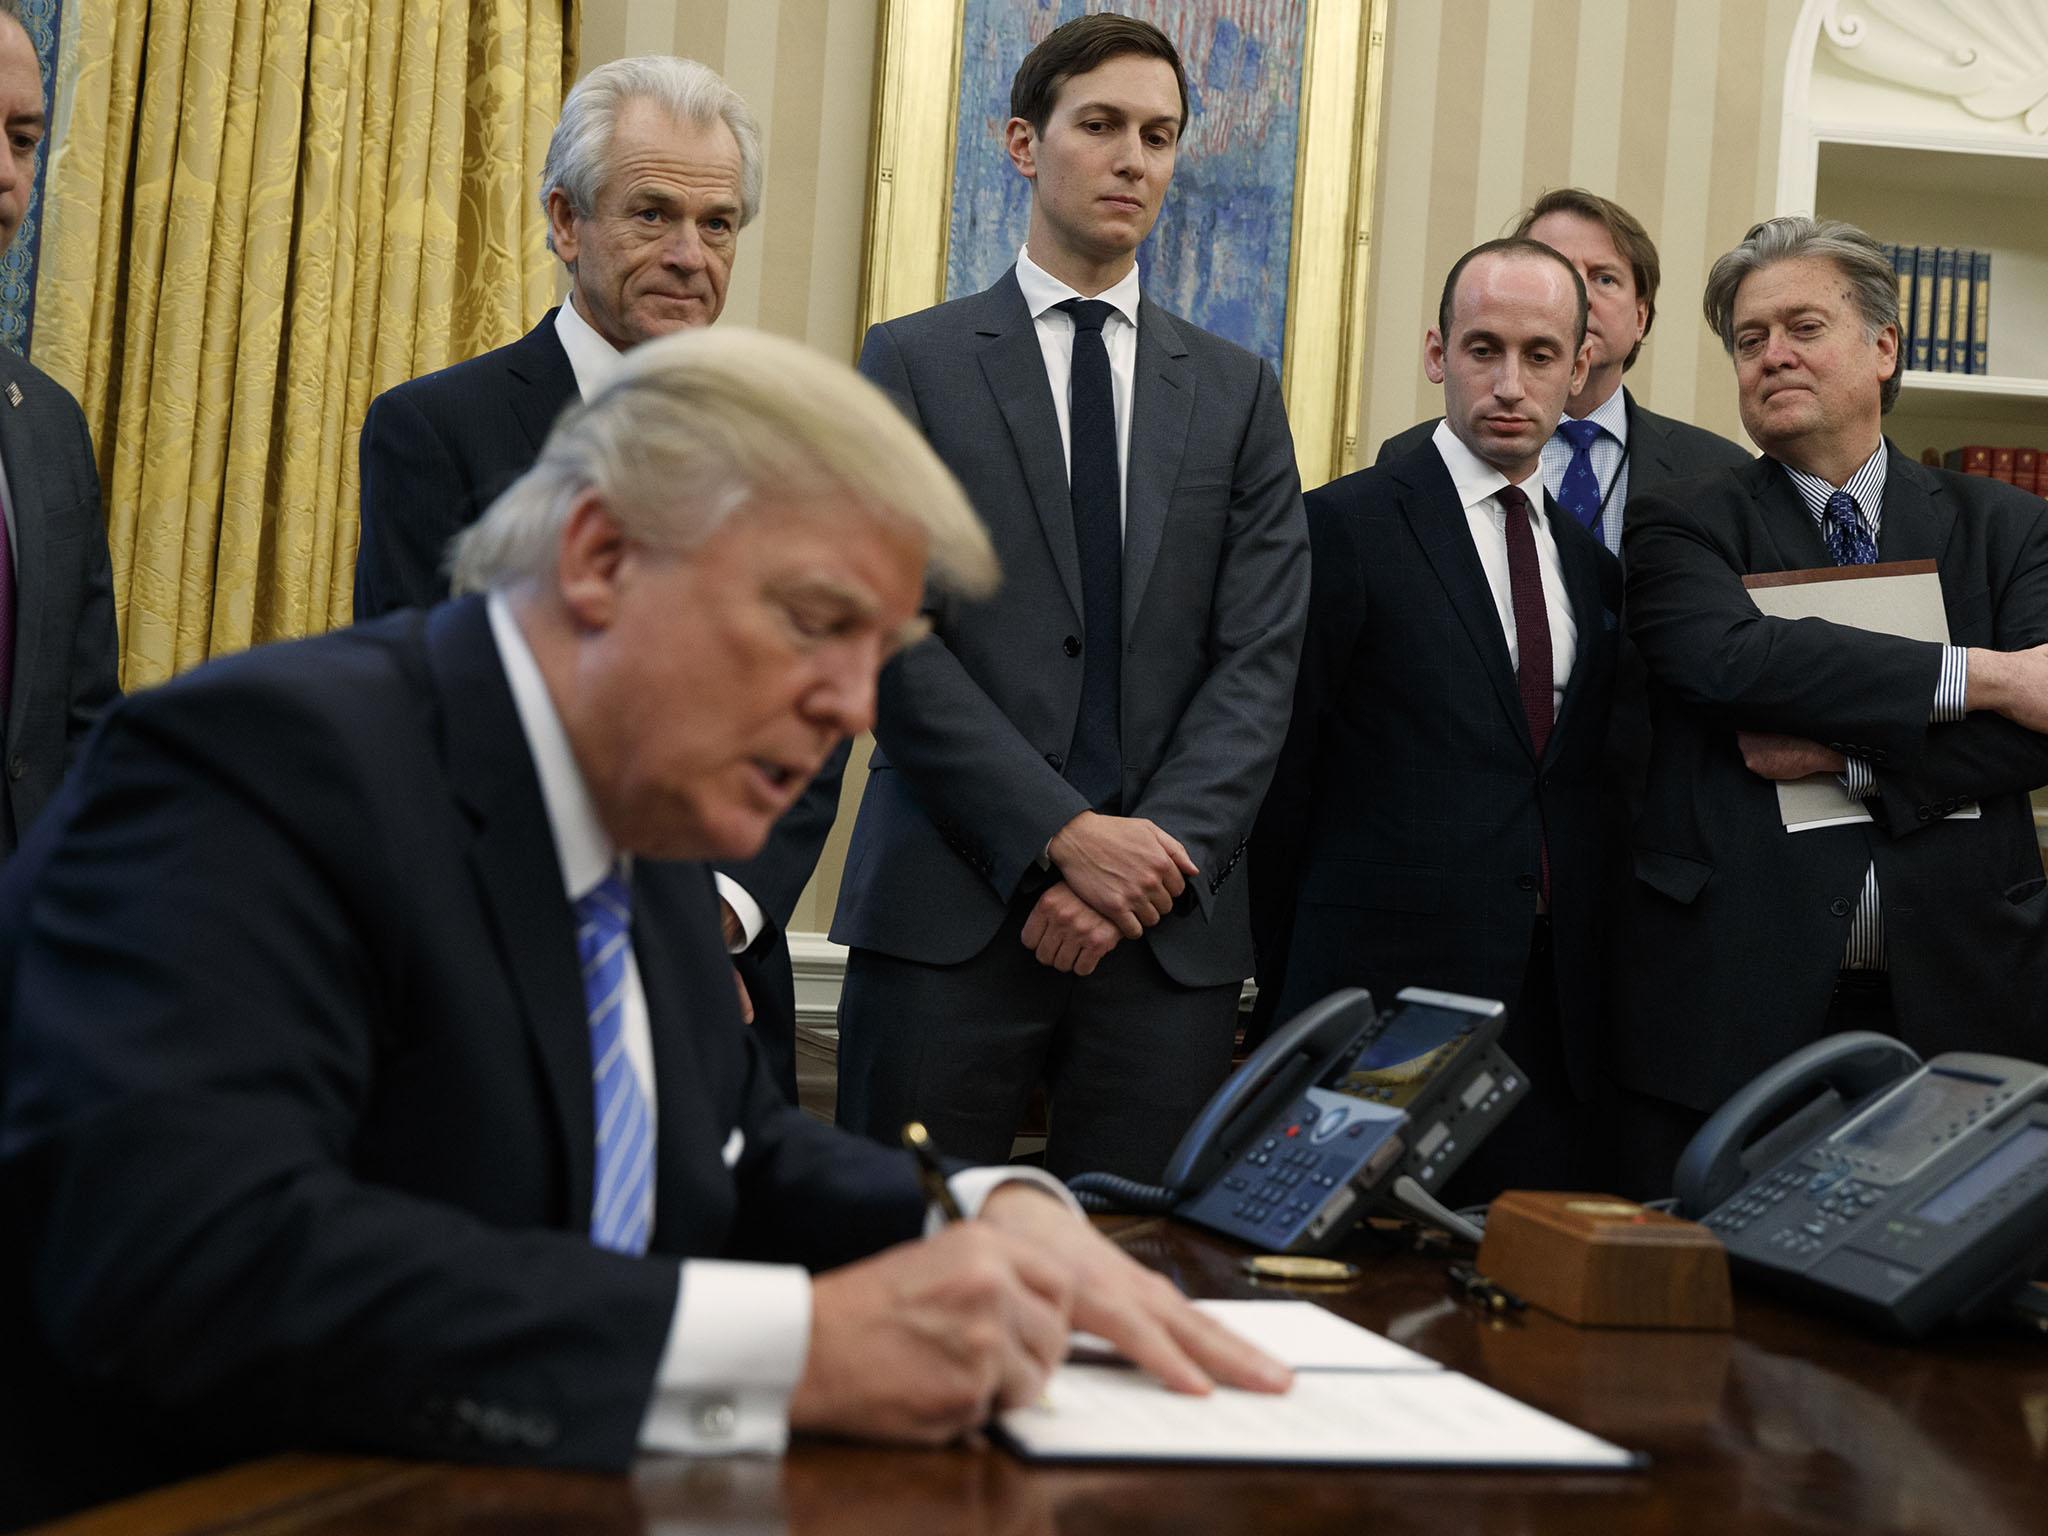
[(1897, 120)]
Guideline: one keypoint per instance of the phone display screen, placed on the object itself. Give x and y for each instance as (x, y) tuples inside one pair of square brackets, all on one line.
[(1962, 1194), (1417, 1043), (1900, 1129)]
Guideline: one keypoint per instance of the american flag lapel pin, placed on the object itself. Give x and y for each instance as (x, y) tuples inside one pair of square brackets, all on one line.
[(13, 393)]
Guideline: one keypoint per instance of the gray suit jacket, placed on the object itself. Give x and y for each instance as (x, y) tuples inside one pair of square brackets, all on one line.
[(66, 656), (975, 722)]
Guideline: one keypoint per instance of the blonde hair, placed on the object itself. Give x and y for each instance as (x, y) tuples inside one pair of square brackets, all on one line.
[(697, 426)]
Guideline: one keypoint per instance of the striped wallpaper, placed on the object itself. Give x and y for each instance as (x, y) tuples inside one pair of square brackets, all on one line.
[(1670, 106)]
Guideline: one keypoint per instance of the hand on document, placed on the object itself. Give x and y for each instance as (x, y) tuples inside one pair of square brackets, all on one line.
[(924, 1342)]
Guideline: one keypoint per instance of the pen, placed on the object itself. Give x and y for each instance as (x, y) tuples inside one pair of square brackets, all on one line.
[(1469, 1283), (918, 1142)]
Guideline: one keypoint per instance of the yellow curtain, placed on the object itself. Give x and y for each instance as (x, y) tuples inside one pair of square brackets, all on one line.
[(262, 213)]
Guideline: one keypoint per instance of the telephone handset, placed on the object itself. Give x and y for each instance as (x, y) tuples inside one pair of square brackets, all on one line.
[(1903, 1193), (1342, 1106)]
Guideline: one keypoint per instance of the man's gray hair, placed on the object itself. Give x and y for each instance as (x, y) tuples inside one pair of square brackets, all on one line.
[(1863, 264), (687, 91), (697, 426)]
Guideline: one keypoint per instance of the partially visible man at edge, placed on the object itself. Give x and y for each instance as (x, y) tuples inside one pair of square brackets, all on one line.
[(347, 1105), (652, 172)]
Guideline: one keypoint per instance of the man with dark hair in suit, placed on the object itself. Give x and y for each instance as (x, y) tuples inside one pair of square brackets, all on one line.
[(348, 1105), (1435, 818), (59, 656), (1045, 878), (652, 172), (1606, 444), (1929, 919)]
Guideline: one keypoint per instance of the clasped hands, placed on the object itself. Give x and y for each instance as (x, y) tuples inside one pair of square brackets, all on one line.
[(1119, 875), (924, 1341)]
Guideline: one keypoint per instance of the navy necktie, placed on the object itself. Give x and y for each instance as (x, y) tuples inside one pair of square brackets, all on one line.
[(1579, 492), (622, 1194), (1095, 761), (1849, 540)]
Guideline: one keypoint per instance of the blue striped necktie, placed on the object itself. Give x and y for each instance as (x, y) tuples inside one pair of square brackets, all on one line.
[(1848, 536), (622, 1201)]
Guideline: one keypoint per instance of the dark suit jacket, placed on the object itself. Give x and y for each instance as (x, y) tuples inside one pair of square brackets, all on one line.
[(965, 786), (66, 654), (1401, 841), (1738, 926), (436, 452), (297, 1141)]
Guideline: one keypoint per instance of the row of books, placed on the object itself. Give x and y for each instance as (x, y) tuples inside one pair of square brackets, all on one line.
[(1944, 307), (2026, 468)]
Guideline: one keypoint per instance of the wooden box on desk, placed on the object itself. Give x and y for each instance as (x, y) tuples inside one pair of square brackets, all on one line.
[(1603, 1262)]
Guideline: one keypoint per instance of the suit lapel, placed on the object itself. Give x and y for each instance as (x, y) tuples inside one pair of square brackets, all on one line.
[(1015, 369), (1579, 556), (1790, 535), (1163, 399), (31, 555), (1440, 527), (1649, 452), (1917, 516), (681, 1071), (512, 857), (547, 383)]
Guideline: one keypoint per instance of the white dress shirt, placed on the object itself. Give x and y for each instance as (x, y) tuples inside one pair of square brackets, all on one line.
[(741, 1331), (1609, 458), (1043, 293), (594, 360), (1479, 485)]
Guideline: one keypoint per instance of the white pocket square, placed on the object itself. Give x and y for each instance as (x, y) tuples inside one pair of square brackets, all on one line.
[(735, 1144)]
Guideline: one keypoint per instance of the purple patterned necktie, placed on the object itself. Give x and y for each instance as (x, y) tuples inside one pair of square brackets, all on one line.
[(1848, 536), (1579, 491)]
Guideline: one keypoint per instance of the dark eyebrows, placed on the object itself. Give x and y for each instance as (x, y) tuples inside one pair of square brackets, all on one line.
[(1110, 109)]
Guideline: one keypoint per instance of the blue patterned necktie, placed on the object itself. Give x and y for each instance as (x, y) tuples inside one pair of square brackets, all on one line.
[(1849, 541), (1579, 492), (1095, 761), (622, 1201)]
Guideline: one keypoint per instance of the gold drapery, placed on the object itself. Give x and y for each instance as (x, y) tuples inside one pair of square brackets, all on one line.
[(262, 213)]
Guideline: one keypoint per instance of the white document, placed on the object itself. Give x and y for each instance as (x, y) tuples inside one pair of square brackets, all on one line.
[(1902, 599), (1343, 1417), (1299, 1334)]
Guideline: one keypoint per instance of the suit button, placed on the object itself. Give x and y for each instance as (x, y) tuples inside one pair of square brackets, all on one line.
[(1836, 746), (1924, 812), (1839, 906), (1071, 645), (1059, 764), (17, 765), (1525, 882)]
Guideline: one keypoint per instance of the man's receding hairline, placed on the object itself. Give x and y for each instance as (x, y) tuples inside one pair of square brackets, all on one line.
[(1530, 258)]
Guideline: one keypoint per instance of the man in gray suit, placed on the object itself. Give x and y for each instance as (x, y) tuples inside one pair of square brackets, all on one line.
[(58, 652), (1046, 875)]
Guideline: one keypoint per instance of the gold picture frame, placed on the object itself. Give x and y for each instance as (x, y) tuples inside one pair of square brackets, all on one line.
[(917, 93)]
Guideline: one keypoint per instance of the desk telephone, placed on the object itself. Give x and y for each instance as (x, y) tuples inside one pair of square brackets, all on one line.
[(1904, 1193), (1343, 1107)]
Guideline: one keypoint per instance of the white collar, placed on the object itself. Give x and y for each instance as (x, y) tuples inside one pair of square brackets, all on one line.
[(1042, 290), (1612, 415), (582, 848), (591, 358), (1474, 478)]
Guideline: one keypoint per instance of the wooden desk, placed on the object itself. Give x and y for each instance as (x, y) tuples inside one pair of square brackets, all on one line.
[(1791, 1424)]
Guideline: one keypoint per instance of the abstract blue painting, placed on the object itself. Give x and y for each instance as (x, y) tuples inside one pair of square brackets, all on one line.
[(1219, 252)]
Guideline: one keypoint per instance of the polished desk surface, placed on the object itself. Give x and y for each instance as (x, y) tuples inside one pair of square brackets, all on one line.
[(1793, 1423)]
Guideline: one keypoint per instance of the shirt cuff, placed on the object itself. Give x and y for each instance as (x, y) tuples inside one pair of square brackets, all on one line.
[(1857, 778), (971, 1188), (744, 907), (1953, 688), (735, 1351)]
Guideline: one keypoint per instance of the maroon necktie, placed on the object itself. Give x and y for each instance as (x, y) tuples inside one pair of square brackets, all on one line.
[(1532, 632)]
